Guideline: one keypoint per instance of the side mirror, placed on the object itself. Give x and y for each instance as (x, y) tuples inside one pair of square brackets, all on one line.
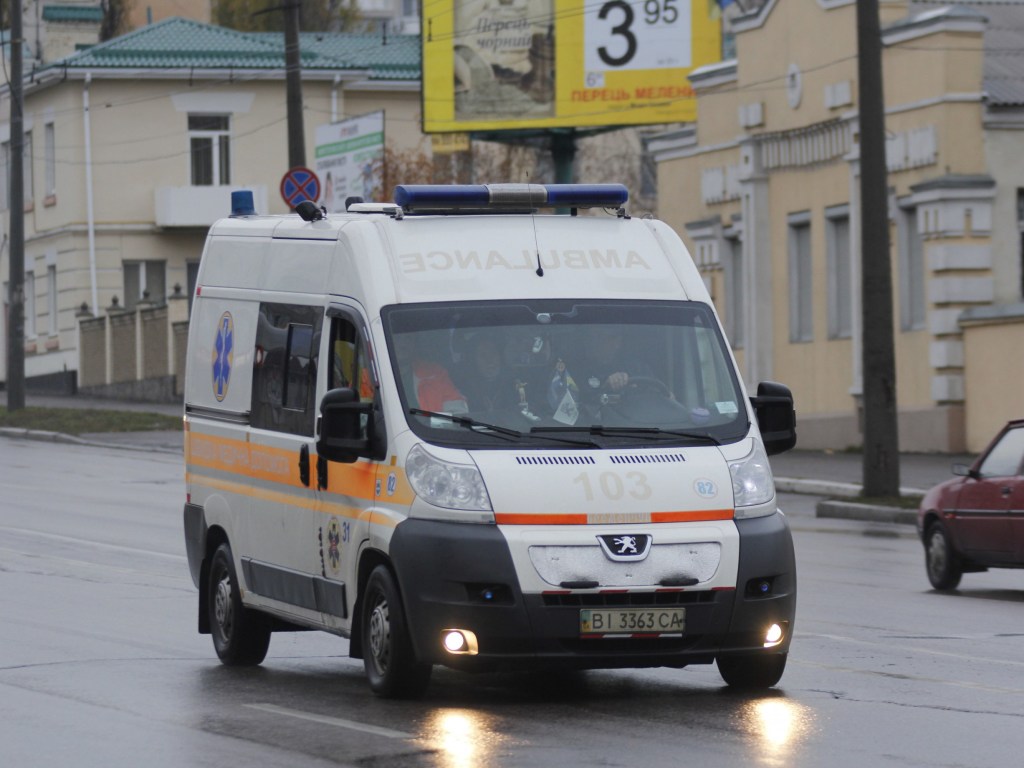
[(961, 470), (346, 426), (773, 406)]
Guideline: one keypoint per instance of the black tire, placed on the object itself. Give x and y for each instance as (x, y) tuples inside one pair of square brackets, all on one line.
[(241, 636), (752, 671), (941, 561), (388, 656)]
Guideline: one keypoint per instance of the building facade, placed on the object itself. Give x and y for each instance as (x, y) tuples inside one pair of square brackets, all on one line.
[(765, 189), (132, 149)]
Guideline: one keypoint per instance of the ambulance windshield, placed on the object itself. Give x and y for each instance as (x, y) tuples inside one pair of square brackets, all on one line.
[(623, 370)]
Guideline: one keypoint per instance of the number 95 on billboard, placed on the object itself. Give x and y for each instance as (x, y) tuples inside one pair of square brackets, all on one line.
[(637, 34)]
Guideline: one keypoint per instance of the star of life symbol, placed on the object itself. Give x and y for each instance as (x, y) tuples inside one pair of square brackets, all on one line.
[(223, 355), (629, 547)]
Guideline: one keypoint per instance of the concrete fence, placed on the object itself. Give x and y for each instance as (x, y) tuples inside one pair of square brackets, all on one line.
[(994, 366), (136, 354)]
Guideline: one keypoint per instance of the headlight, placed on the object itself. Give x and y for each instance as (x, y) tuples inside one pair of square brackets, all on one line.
[(752, 482), (453, 486)]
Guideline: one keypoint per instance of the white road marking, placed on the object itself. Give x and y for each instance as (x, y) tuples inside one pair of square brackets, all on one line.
[(99, 544), (335, 721)]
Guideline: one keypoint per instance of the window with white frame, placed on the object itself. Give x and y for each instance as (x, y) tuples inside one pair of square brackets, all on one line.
[(735, 297), (144, 280), (912, 273), (30, 305), (210, 149), (5, 172), (801, 324), (26, 168), (51, 297), (840, 274), (50, 159), (1020, 237)]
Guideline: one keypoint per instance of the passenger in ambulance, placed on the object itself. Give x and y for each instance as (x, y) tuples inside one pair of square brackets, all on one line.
[(487, 384), (426, 381)]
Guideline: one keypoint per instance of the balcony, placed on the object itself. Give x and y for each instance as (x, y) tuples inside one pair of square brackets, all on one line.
[(201, 206)]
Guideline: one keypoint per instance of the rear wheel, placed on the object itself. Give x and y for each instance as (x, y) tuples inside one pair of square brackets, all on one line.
[(941, 561), (240, 636), (388, 656), (752, 671)]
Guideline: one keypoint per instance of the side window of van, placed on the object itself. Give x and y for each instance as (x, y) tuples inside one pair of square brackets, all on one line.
[(349, 365), (284, 368)]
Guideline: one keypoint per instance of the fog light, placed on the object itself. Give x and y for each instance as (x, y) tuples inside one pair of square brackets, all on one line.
[(459, 641), (773, 636)]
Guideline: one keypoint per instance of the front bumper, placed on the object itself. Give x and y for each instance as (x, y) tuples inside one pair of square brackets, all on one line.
[(447, 570)]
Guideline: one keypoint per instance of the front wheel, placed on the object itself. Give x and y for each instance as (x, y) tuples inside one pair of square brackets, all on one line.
[(941, 561), (240, 636), (752, 671), (388, 656)]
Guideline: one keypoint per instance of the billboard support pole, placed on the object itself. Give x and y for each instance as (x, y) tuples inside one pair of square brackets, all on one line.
[(563, 155)]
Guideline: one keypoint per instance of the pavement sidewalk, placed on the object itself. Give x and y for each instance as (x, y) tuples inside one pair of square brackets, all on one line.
[(834, 474)]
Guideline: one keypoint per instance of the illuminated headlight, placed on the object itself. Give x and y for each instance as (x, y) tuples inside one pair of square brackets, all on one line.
[(452, 486), (752, 482), (773, 636), (459, 642)]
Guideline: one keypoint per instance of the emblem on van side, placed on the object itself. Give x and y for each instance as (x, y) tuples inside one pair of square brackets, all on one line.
[(627, 546), (333, 542), (223, 355)]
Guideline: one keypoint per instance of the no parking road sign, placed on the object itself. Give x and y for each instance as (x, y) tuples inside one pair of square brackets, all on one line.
[(300, 184)]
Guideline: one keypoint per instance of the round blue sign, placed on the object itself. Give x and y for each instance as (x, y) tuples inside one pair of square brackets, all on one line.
[(300, 184)]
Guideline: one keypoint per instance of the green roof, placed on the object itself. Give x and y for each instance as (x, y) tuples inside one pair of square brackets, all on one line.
[(93, 13), (178, 43)]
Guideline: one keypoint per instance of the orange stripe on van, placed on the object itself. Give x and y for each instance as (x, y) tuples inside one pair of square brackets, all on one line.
[(525, 518), (691, 517), (511, 518)]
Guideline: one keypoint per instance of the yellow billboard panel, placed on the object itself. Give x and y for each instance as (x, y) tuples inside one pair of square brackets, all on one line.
[(513, 64)]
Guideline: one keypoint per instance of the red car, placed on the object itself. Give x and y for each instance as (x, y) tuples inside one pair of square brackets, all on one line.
[(975, 521)]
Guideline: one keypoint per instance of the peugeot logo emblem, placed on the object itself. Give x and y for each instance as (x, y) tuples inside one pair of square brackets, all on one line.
[(626, 547)]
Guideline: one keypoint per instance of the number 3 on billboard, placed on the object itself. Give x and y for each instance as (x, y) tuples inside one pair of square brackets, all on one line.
[(619, 36)]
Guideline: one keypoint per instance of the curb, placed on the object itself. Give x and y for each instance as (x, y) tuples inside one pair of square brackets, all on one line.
[(42, 435), (873, 513)]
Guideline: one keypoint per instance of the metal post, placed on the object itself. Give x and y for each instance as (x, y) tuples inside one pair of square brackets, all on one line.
[(293, 82), (16, 318), (881, 467)]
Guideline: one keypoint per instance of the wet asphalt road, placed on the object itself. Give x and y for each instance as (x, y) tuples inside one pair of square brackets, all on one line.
[(100, 664)]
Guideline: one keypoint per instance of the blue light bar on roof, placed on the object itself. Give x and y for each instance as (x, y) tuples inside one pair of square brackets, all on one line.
[(439, 198)]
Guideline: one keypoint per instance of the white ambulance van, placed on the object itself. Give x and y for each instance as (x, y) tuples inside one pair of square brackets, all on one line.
[(459, 430)]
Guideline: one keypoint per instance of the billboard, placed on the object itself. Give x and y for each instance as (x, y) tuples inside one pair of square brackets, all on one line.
[(350, 160), (508, 64)]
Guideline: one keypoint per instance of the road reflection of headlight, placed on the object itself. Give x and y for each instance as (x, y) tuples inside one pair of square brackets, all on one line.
[(779, 725), (463, 738)]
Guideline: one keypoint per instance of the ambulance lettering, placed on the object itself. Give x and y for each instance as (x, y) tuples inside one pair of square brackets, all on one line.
[(444, 261)]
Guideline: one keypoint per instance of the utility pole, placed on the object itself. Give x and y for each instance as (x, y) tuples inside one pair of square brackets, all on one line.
[(293, 83), (881, 467), (16, 280)]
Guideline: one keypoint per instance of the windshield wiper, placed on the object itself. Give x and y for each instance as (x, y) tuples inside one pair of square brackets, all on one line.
[(484, 428), (599, 429), (465, 421)]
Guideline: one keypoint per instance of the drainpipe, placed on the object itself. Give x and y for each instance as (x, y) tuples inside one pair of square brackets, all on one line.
[(89, 215), (334, 98)]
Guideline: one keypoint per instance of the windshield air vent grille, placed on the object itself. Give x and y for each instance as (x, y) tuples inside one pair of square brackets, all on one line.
[(554, 460), (646, 458)]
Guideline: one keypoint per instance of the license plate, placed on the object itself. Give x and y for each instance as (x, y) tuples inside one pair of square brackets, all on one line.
[(632, 621)]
